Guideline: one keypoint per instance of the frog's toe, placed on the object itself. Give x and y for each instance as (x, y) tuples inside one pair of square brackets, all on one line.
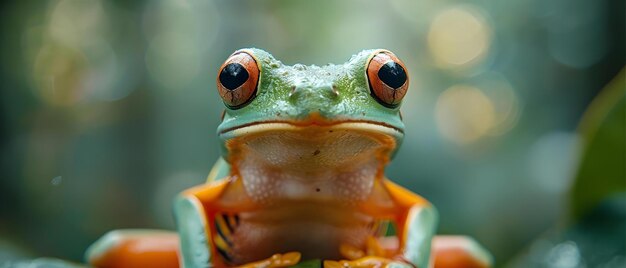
[(367, 262), (287, 259), (276, 261)]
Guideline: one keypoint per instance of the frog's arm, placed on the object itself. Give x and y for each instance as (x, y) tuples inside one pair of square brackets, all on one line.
[(196, 211), (192, 210), (416, 223), (192, 213)]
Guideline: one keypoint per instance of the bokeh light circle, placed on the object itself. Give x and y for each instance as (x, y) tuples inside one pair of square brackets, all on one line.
[(464, 114), (459, 37), (506, 103)]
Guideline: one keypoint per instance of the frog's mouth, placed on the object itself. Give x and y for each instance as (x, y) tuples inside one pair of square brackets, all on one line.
[(312, 121), (357, 125)]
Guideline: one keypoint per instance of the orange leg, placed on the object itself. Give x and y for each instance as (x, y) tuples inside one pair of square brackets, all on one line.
[(459, 251), (447, 251), (415, 245), (135, 248)]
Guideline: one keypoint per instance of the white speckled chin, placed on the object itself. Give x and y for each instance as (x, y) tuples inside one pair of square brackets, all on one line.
[(281, 161)]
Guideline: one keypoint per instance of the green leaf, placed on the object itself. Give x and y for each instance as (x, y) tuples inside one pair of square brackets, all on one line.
[(602, 169), (309, 264)]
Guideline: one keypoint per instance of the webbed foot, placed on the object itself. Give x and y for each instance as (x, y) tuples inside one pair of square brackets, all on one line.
[(375, 255), (368, 262), (277, 260)]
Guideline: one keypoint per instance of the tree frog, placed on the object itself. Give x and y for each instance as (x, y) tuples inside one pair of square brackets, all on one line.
[(301, 177)]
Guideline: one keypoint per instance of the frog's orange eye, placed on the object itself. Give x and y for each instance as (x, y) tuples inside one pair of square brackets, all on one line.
[(387, 79), (237, 80)]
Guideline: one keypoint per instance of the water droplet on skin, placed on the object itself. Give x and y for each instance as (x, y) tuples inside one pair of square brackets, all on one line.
[(56, 181), (299, 67), (275, 64)]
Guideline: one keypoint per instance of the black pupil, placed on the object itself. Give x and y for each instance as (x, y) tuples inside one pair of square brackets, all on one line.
[(233, 76), (392, 74)]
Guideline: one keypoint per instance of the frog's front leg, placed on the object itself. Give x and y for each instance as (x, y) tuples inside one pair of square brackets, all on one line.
[(193, 224), (201, 225), (199, 211), (416, 223), (417, 243)]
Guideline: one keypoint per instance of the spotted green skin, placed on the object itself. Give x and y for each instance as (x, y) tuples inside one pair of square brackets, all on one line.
[(292, 93)]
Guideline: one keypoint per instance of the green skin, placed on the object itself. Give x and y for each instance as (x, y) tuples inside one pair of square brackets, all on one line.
[(316, 87), (275, 101)]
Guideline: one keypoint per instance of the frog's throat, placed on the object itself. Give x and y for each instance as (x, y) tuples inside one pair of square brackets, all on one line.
[(283, 161)]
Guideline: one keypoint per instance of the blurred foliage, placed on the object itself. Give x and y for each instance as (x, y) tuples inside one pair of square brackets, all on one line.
[(41, 263), (602, 170), (594, 233), (309, 264), (108, 108), (594, 240)]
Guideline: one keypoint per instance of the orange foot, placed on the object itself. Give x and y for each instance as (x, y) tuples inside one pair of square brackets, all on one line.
[(277, 260), (375, 255), (366, 262)]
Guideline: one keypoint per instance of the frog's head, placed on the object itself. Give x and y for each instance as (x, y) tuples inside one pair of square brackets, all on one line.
[(284, 111)]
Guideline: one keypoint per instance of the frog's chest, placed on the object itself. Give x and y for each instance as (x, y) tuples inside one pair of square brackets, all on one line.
[(316, 230), (306, 189), (349, 185), (311, 213), (311, 164), (267, 187)]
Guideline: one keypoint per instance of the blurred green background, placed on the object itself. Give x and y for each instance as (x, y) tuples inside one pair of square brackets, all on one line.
[(109, 108)]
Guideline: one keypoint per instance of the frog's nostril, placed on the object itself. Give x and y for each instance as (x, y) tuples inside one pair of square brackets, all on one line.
[(293, 91), (328, 92), (334, 90)]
